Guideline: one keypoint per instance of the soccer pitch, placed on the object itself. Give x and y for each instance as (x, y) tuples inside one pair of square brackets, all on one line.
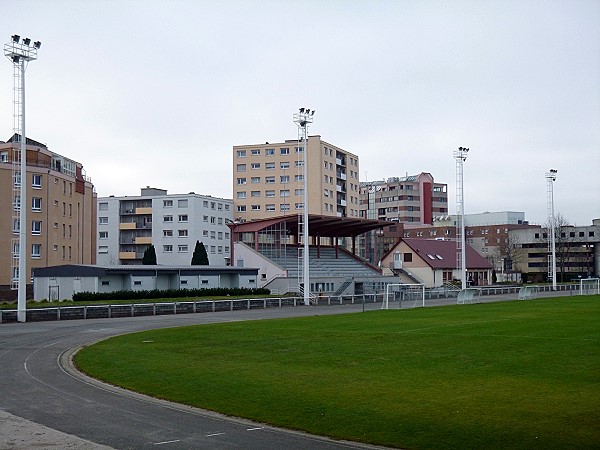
[(512, 374)]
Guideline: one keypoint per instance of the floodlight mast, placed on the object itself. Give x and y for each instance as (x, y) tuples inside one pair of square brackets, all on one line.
[(460, 156), (550, 179), (20, 53), (302, 118)]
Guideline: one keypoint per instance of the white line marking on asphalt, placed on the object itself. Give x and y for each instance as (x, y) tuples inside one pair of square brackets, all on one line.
[(214, 434), (254, 429), (167, 442)]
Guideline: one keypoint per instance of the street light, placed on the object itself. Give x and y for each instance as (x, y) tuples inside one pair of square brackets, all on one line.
[(302, 118), (460, 156), (20, 54), (550, 179)]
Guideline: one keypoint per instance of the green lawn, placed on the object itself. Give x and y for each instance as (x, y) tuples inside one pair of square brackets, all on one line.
[(518, 374)]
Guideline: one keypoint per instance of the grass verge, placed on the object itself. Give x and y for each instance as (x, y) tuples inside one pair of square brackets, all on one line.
[(515, 374)]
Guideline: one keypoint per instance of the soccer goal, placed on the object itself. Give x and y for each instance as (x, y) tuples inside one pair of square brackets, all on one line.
[(407, 295), (589, 286)]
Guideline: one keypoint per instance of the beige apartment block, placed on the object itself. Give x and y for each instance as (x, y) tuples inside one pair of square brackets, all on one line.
[(61, 212), (268, 180)]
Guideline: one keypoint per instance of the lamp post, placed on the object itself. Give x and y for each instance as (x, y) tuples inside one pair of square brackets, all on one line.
[(302, 118), (20, 52), (460, 156), (550, 179)]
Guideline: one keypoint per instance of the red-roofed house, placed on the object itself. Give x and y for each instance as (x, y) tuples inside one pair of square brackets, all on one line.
[(434, 262)]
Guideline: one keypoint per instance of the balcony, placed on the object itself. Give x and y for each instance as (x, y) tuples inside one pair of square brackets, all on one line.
[(147, 211), (127, 255), (341, 175), (143, 240), (127, 226)]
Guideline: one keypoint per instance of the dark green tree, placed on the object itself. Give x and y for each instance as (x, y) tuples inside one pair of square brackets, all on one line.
[(149, 258), (200, 257)]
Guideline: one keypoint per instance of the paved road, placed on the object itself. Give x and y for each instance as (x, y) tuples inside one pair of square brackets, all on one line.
[(37, 384), (45, 403)]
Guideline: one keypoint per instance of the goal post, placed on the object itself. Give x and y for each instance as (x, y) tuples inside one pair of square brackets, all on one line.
[(589, 286), (413, 294)]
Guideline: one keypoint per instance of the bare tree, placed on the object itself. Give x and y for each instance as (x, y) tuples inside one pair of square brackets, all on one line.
[(564, 241), (509, 251)]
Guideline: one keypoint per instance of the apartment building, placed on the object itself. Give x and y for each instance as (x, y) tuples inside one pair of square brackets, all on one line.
[(173, 223), (409, 199), (61, 211), (268, 180)]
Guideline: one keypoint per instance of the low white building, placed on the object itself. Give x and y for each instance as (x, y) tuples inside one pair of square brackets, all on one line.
[(173, 223), (61, 282)]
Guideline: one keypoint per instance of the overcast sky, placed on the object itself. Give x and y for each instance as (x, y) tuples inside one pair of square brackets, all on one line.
[(157, 92)]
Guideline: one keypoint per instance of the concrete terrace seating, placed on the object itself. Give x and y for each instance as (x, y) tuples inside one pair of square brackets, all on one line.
[(326, 265)]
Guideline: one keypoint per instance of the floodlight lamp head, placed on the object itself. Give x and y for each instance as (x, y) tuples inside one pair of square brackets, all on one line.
[(15, 38), (301, 110), (37, 44), (15, 59), (307, 111), (26, 41), (312, 113), (553, 171)]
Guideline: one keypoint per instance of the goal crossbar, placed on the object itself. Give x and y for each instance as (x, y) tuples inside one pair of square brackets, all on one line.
[(589, 286)]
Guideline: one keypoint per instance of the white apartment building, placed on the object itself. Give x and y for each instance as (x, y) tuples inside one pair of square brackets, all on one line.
[(173, 223)]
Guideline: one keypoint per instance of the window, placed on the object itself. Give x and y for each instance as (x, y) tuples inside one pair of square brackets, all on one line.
[(270, 166), (227, 235), (299, 205), (167, 233), (284, 151), (269, 180), (182, 203), (270, 207), (284, 207), (184, 282), (183, 217), (220, 234), (167, 218), (36, 204), (36, 250), (3, 157), (105, 283), (284, 178), (205, 233), (137, 282), (255, 166), (299, 177), (212, 219), (298, 192), (241, 194), (205, 203), (182, 248), (213, 235), (167, 248), (255, 152), (241, 208), (284, 165), (241, 167), (255, 207), (269, 193), (167, 203), (299, 163), (220, 220), (255, 194), (212, 249), (103, 220), (270, 152), (103, 235), (241, 181), (255, 180), (36, 181), (284, 193), (36, 227), (205, 218), (101, 206), (101, 248), (182, 233), (241, 153)]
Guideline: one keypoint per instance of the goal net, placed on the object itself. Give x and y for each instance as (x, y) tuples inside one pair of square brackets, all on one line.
[(589, 286), (404, 295)]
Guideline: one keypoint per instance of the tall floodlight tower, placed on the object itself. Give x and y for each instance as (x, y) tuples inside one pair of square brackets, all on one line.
[(20, 52), (550, 179), (460, 156), (302, 118)]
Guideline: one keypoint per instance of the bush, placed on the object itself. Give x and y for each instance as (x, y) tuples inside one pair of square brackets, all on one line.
[(170, 293)]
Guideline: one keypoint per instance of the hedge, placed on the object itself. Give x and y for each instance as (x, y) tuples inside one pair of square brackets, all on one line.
[(169, 293)]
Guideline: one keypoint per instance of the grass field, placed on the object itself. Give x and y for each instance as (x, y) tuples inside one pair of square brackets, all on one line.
[(498, 375)]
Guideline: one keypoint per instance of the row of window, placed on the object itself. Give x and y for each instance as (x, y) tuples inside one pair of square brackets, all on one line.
[(213, 249), (270, 207), (283, 165), (270, 193), (268, 151), (269, 180), (37, 182)]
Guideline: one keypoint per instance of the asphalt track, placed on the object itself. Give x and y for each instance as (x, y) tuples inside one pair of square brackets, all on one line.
[(38, 384), (46, 403)]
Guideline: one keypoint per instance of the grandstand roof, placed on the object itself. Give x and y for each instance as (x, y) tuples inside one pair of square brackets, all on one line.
[(325, 226)]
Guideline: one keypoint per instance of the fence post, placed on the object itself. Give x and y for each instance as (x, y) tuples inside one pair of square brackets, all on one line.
[(58, 313)]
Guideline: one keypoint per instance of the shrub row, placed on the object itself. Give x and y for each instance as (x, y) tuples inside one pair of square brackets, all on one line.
[(170, 293)]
